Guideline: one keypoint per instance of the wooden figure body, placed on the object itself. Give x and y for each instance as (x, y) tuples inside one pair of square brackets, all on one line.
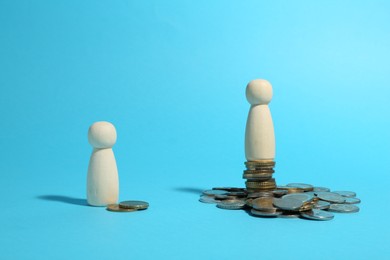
[(102, 179), (259, 133)]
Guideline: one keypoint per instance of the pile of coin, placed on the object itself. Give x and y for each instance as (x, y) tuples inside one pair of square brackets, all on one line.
[(128, 206), (291, 201), (258, 175)]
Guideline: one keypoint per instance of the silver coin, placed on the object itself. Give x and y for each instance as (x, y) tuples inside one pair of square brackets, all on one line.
[(231, 204), (237, 193), (343, 208), (290, 204), (289, 214), (214, 192), (260, 213), (299, 196), (229, 189), (208, 199), (321, 189), (352, 201), (279, 193), (303, 186), (330, 197), (347, 194), (134, 204), (317, 214), (321, 204), (224, 197)]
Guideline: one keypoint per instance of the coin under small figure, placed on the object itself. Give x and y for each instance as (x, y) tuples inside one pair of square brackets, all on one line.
[(134, 204), (117, 208)]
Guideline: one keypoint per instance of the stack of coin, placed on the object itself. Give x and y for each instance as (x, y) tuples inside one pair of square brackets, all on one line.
[(128, 206), (258, 175)]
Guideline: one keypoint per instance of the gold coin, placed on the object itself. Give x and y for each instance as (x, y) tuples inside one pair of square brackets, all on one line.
[(116, 208)]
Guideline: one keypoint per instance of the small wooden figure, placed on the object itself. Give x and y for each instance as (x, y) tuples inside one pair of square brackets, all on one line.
[(259, 133), (102, 179)]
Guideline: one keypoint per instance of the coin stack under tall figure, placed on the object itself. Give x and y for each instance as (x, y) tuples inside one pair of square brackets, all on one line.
[(258, 175), (262, 197)]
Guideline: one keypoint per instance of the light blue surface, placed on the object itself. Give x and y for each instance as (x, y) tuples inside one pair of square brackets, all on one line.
[(171, 76)]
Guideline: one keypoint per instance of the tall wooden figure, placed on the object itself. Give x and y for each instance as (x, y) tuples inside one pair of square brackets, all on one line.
[(102, 179), (259, 133)]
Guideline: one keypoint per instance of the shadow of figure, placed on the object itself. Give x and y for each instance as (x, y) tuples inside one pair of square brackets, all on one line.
[(189, 190), (64, 199)]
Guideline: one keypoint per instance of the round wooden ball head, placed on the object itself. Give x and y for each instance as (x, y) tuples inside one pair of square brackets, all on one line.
[(102, 135), (259, 92)]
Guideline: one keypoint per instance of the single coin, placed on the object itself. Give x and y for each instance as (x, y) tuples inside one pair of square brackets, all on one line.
[(352, 201), (290, 204), (134, 204), (317, 214), (214, 192), (263, 204), (290, 189), (224, 197), (259, 194), (321, 204), (257, 176), (289, 214), (299, 196), (231, 204), (268, 214), (229, 189), (347, 194), (237, 193), (303, 186), (330, 197), (264, 163), (279, 193), (116, 208), (343, 208), (208, 199), (321, 189)]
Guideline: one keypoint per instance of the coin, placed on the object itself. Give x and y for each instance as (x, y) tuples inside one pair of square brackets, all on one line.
[(322, 205), (289, 214), (224, 197), (231, 204), (299, 196), (290, 189), (317, 214), (321, 189), (229, 189), (290, 204), (279, 193), (343, 208), (264, 163), (330, 197), (352, 201), (208, 199), (348, 194), (303, 186), (116, 208), (263, 204), (260, 194), (259, 213), (237, 193), (134, 204), (214, 192)]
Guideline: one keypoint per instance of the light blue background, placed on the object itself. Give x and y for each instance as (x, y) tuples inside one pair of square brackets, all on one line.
[(171, 76)]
